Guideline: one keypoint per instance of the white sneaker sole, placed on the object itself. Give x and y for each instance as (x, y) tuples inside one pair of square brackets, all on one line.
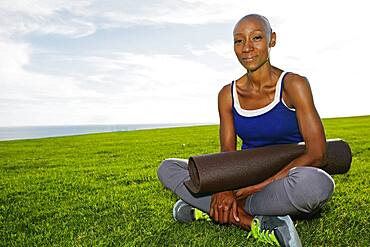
[(174, 208), (292, 231)]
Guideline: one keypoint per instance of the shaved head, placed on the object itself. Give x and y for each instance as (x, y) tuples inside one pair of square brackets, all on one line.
[(253, 39), (255, 17)]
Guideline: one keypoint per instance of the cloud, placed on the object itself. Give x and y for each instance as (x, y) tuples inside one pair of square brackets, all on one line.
[(186, 12), (115, 87), (82, 18), (138, 73), (19, 84), (13, 57), (221, 48), (45, 17), (134, 84)]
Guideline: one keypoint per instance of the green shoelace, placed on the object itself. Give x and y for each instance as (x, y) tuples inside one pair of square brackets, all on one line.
[(264, 236), (200, 215)]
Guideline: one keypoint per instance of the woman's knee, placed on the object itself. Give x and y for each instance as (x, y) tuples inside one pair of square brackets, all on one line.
[(163, 169), (309, 188), (171, 171)]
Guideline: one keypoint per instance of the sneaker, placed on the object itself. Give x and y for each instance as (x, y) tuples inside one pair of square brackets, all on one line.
[(185, 213), (275, 230)]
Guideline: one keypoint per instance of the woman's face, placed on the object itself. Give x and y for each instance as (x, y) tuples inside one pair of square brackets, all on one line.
[(252, 42)]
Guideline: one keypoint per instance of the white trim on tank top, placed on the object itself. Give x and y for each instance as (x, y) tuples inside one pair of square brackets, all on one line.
[(259, 111)]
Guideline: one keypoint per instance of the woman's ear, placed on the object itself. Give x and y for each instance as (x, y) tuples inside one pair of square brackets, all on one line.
[(272, 39)]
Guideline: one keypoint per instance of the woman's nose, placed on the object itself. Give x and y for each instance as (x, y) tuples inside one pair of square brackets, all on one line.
[(248, 46)]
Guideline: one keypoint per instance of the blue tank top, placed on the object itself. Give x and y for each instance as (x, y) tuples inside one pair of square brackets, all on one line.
[(273, 124)]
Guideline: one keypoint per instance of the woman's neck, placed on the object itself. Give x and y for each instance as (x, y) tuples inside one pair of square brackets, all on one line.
[(264, 76)]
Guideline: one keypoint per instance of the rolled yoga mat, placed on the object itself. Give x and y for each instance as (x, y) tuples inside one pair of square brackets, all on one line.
[(223, 171)]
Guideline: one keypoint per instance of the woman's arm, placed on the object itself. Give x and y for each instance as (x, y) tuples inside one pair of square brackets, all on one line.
[(298, 94), (223, 204), (227, 132)]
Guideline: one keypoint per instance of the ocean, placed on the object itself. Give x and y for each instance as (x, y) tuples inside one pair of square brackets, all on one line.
[(32, 132)]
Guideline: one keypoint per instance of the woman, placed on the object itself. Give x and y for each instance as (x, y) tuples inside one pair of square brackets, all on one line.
[(266, 106)]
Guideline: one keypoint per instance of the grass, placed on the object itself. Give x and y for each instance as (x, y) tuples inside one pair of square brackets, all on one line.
[(102, 189)]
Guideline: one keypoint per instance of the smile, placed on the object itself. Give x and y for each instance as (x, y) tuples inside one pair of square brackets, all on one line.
[(248, 59)]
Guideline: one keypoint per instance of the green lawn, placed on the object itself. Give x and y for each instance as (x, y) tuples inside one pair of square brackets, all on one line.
[(102, 189)]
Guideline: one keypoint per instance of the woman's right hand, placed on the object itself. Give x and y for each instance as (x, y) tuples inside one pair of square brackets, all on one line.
[(222, 205)]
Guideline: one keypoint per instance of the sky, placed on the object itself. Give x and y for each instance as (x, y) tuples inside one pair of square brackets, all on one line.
[(164, 61)]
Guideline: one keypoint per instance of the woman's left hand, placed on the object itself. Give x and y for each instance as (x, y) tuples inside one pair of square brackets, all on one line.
[(245, 192)]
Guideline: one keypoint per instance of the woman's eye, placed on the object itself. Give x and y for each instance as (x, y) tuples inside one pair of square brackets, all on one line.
[(257, 38), (238, 41)]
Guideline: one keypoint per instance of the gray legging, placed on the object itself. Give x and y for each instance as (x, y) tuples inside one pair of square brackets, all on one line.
[(304, 191)]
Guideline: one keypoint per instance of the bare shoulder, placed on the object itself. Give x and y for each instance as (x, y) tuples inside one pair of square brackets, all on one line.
[(225, 89), (298, 91), (294, 83), (225, 97), (225, 92)]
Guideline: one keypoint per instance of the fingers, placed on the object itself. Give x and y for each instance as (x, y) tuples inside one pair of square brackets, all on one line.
[(213, 212), (235, 211), (225, 214), (220, 213), (216, 215), (232, 220), (222, 208)]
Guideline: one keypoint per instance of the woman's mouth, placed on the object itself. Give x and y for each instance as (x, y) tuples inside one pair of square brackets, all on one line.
[(248, 59)]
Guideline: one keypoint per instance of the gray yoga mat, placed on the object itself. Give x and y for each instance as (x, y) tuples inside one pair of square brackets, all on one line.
[(217, 172)]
